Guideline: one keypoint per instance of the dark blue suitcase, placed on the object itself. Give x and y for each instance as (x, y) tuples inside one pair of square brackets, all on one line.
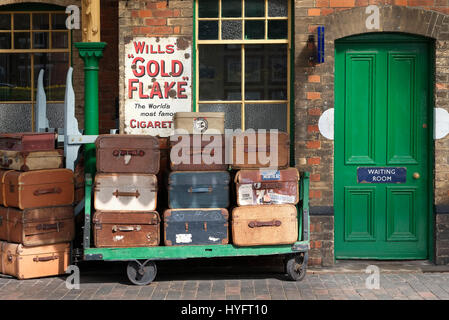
[(195, 227), (198, 189)]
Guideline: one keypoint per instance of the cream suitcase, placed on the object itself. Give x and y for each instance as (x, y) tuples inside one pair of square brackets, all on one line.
[(125, 192), (199, 122)]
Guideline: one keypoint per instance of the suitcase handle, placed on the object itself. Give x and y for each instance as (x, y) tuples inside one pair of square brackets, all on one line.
[(200, 190), (41, 192), (257, 224), (131, 152), (44, 259), (52, 226), (126, 228), (117, 194)]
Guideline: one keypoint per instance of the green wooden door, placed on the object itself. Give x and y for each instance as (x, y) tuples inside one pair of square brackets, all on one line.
[(381, 147)]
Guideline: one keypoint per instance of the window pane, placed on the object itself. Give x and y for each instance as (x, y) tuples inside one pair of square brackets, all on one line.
[(15, 117), (266, 72), (208, 8), (55, 115), (21, 40), (233, 119), (58, 21), (266, 116), (21, 21), (59, 40), (231, 8), (277, 8), (255, 8), (15, 80), (5, 40), (220, 72), (40, 40), (55, 66), (5, 21), (208, 30), (254, 29), (277, 29), (40, 21), (231, 30)]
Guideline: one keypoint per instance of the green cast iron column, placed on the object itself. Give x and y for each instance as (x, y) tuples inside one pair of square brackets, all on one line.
[(91, 53)]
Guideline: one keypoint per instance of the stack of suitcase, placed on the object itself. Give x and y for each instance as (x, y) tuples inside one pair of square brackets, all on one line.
[(265, 212), (198, 190), (125, 191), (36, 213)]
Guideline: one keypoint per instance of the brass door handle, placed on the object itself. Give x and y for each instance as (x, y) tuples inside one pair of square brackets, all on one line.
[(416, 175)]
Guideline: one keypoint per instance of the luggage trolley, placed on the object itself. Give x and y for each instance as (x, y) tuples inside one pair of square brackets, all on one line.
[(142, 270)]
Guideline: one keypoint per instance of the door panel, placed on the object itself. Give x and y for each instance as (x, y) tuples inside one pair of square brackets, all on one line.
[(381, 114)]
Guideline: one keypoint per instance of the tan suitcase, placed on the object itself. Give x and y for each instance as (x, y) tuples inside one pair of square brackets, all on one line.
[(34, 262), (125, 192), (40, 188), (256, 187), (31, 160), (199, 122), (38, 226), (264, 225)]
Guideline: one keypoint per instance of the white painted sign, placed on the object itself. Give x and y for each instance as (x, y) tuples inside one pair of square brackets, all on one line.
[(441, 118), (158, 83), (326, 124)]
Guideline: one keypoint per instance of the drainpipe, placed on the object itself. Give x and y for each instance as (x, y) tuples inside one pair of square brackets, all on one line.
[(91, 51)]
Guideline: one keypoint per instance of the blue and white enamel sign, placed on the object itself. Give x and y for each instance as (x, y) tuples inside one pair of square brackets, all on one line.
[(381, 175)]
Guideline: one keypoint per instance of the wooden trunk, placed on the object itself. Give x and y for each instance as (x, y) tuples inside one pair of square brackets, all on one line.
[(127, 153), (34, 262), (264, 225), (125, 192), (126, 229), (31, 160), (27, 141), (267, 186), (198, 153), (40, 188), (249, 151), (199, 122), (195, 227), (39, 226)]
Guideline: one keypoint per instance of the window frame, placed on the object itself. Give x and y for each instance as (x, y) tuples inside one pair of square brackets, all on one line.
[(243, 42), (31, 51)]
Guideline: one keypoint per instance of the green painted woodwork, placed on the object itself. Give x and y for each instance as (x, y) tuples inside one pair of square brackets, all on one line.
[(382, 115), (91, 53), (207, 251)]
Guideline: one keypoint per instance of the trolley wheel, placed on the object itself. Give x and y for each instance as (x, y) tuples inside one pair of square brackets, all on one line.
[(141, 274), (295, 266)]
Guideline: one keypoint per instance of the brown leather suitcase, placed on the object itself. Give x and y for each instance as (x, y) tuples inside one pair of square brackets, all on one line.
[(198, 153), (126, 229), (267, 186), (127, 153), (249, 153), (27, 141), (2, 189), (34, 262), (264, 225), (125, 192), (39, 226), (31, 160), (40, 188)]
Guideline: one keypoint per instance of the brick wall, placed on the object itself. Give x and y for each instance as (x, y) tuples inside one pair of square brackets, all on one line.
[(442, 239), (151, 19)]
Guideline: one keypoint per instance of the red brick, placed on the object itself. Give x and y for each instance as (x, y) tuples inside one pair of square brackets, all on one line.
[(313, 144), (326, 11), (420, 3), (314, 161), (315, 194), (443, 10), (400, 2), (156, 22), (342, 3), (314, 261), (314, 12), (361, 3), (314, 78), (321, 3), (145, 13), (313, 95), (315, 177), (163, 13), (314, 111), (312, 128)]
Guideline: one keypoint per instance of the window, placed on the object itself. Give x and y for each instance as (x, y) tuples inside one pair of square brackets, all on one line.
[(29, 42), (243, 61)]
